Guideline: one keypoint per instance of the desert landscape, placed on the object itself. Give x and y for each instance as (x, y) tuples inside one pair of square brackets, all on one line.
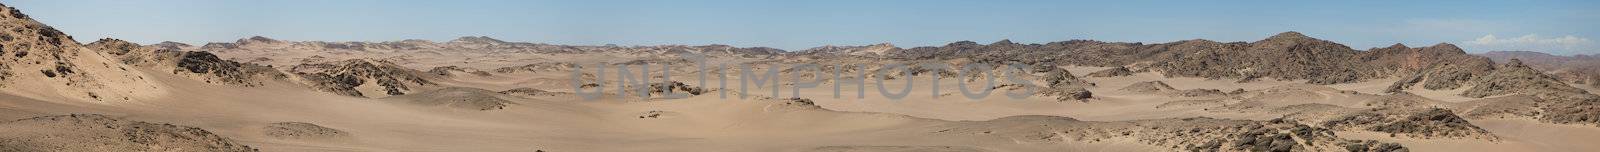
[(1285, 92)]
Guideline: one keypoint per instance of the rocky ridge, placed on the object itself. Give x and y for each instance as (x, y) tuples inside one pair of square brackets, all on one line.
[(349, 76), (204, 66)]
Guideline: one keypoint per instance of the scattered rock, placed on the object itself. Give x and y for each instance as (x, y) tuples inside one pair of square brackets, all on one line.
[(1069, 94), (1113, 72), (302, 130), (1514, 77), (1148, 87), (206, 66), (457, 97), (345, 76), (657, 114), (531, 92), (1419, 123), (92, 132), (449, 71), (1158, 87), (1186, 134)]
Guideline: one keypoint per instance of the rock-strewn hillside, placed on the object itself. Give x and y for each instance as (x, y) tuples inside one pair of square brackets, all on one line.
[(1438, 67), (1578, 69), (39, 61), (1186, 134), (361, 77), (302, 131), (874, 50), (202, 66), (92, 132), (1560, 102), (476, 51), (1287, 56)]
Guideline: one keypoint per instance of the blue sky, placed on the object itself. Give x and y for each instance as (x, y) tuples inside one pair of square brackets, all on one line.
[(1559, 27)]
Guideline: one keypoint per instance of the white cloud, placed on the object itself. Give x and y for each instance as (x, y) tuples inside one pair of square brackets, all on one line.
[(1533, 42)]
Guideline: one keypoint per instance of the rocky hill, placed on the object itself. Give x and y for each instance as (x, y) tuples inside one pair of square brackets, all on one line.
[(42, 62), (288, 53), (1577, 69), (202, 66), (1427, 66), (1562, 103), (867, 50), (1286, 56), (361, 77)]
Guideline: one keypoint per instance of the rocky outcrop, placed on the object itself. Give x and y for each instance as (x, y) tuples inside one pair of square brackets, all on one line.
[(1285, 56), (801, 103), (1075, 52), (452, 70), (1514, 77), (538, 67), (344, 77), (1417, 123), (1573, 111), (170, 45), (1149, 87), (202, 66), (531, 92), (874, 50), (469, 46), (1514, 106), (477, 40), (92, 132), (1560, 102), (1184, 134), (662, 88), (1158, 87), (1113, 72), (1068, 94), (1443, 66), (1578, 69)]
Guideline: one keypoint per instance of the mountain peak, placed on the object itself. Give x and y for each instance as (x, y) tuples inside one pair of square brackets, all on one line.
[(1290, 35), (477, 40), (171, 43), (962, 43), (109, 40), (881, 45), (1399, 46), (257, 39), (1003, 42), (1447, 47), (112, 45)]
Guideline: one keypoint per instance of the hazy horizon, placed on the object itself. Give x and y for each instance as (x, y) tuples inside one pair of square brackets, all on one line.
[(1556, 27)]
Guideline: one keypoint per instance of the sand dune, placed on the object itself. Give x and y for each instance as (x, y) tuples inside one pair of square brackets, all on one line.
[(1288, 92)]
